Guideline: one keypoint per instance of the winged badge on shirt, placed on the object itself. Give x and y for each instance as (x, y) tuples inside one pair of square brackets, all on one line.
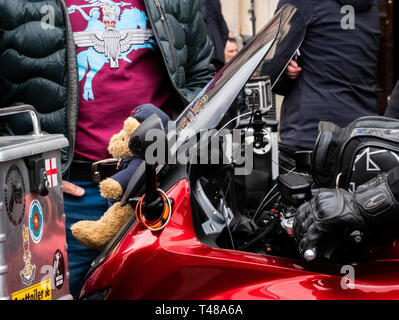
[(109, 40)]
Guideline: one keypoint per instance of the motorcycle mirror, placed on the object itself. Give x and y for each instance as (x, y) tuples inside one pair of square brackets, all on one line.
[(149, 131), (153, 209)]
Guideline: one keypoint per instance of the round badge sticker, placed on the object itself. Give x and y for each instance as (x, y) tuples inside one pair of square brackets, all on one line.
[(36, 221), (14, 195), (59, 269)]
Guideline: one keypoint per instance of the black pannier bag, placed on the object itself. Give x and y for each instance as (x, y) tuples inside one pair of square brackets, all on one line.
[(348, 157)]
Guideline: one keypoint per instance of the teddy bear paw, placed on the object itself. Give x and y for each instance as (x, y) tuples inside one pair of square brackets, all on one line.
[(110, 189), (88, 234), (97, 234)]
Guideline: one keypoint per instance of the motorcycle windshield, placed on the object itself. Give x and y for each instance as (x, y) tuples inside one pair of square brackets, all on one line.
[(268, 53)]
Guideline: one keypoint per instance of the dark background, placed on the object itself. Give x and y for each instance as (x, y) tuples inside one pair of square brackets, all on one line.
[(388, 60), (396, 40)]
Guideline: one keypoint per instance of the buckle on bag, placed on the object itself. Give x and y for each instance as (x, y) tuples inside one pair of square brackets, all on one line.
[(96, 168)]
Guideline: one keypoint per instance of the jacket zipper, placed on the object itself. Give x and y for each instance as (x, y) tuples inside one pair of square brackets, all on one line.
[(166, 27)]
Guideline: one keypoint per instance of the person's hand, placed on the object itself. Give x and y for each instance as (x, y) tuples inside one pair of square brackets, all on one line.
[(72, 189), (323, 222), (293, 70)]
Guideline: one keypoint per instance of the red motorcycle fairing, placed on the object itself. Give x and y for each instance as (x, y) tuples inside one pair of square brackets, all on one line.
[(173, 264)]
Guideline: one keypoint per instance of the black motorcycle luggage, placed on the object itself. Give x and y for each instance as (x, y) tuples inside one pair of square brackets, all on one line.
[(347, 157)]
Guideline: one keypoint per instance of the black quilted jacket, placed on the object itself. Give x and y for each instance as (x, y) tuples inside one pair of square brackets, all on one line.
[(38, 63)]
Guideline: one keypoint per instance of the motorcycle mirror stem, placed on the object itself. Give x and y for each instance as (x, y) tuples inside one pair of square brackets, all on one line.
[(152, 205)]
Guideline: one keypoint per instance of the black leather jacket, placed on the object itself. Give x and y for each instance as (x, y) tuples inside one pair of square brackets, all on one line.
[(393, 105), (38, 60)]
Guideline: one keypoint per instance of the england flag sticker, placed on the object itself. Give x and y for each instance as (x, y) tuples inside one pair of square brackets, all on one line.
[(51, 172)]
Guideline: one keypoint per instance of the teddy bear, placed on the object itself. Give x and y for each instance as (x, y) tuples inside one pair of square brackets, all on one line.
[(97, 234)]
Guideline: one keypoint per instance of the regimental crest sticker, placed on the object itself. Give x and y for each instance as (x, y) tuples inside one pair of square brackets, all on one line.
[(36, 221), (28, 272), (51, 172)]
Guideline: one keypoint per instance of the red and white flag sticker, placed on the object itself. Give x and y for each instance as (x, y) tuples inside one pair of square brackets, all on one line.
[(51, 172)]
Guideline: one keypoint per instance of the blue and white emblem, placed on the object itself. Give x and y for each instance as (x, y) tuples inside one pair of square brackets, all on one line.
[(36, 221)]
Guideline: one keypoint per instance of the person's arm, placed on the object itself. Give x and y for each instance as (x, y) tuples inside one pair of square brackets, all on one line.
[(199, 70), (294, 69), (393, 105)]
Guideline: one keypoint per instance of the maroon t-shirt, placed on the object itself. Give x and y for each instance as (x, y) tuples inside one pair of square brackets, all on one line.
[(120, 67)]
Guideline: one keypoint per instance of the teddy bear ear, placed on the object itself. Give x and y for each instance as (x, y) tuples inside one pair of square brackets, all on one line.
[(131, 124)]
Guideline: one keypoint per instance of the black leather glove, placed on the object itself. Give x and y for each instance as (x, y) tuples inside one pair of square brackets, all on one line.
[(323, 222)]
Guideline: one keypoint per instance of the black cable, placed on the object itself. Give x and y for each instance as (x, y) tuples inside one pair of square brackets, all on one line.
[(223, 213), (251, 119), (227, 225), (260, 236), (261, 205), (261, 208)]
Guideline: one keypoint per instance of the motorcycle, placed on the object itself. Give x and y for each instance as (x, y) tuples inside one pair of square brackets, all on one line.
[(210, 228)]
